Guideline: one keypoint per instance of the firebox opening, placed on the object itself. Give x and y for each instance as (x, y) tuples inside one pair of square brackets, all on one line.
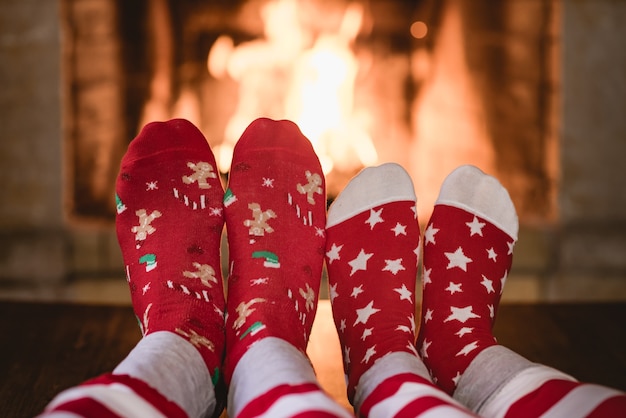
[(430, 85)]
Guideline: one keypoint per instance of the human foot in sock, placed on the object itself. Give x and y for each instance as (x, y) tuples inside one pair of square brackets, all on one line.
[(468, 246), (275, 208), (371, 256), (169, 223)]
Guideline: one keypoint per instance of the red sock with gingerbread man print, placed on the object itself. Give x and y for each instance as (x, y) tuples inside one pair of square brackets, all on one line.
[(169, 224), (275, 209), (468, 247)]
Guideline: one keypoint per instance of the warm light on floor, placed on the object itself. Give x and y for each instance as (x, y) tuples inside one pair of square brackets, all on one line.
[(324, 351)]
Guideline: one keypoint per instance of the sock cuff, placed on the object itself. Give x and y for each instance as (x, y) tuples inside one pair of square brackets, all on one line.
[(527, 382), (373, 186), (470, 189), (477, 385), (388, 366), (268, 363), (157, 360)]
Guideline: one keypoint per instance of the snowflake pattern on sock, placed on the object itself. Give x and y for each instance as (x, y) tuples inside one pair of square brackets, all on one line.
[(466, 263)]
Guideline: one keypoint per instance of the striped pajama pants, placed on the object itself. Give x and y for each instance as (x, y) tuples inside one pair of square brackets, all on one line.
[(275, 380)]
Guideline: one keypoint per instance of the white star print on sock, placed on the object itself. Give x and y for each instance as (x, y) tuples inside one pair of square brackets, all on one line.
[(429, 234), (399, 229), (375, 218), (394, 266), (458, 259), (428, 316), (476, 227), (426, 277), (360, 262), (333, 253), (454, 288), (468, 349), (488, 284), (368, 354), (356, 291), (405, 294), (363, 314), (463, 331), (461, 314)]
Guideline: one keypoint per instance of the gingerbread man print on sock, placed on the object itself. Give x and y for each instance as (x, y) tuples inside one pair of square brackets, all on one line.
[(144, 227), (312, 187), (258, 224), (203, 272), (169, 225), (202, 172), (275, 209)]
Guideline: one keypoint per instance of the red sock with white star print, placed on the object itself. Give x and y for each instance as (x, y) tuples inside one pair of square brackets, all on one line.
[(169, 223), (371, 257), (275, 209), (468, 246)]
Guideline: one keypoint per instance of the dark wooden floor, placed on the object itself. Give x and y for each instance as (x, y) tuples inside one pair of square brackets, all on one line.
[(46, 348)]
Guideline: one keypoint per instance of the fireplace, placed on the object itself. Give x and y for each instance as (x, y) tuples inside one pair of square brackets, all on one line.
[(529, 90), (427, 84)]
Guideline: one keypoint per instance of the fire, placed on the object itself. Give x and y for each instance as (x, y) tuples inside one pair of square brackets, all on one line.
[(306, 69), (448, 94), (293, 73)]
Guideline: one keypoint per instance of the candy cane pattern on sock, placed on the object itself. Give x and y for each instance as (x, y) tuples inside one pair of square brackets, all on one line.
[(303, 400)]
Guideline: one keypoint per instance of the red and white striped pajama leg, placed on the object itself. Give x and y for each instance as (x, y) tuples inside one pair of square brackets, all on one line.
[(405, 394), (500, 383), (163, 376), (535, 391), (542, 392), (112, 396)]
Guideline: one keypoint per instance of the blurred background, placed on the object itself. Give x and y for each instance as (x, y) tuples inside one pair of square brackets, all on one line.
[(531, 91)]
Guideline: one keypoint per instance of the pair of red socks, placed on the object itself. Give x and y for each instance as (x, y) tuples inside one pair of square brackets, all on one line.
[(171, 210), (372, 256)]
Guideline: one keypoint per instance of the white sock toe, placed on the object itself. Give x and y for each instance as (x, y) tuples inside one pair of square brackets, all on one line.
[(372, 187), (469, 188)]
